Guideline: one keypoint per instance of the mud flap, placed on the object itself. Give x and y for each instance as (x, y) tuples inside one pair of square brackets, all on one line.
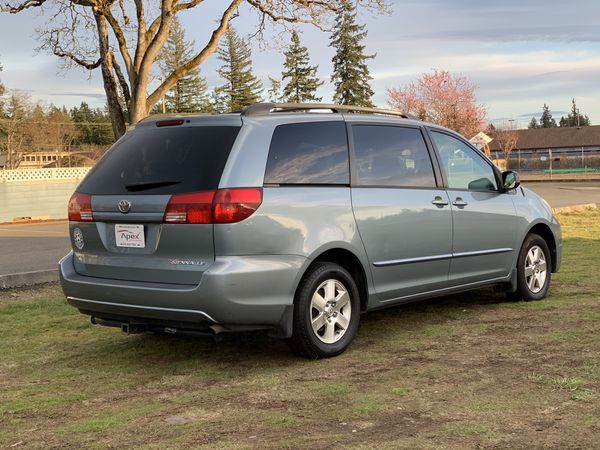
[(285, 327), (509, 287)]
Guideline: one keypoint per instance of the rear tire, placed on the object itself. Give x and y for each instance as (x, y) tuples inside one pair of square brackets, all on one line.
[(326, 312), (533, 270)]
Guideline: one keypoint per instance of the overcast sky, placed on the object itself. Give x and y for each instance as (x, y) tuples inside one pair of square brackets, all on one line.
[(521, 54)]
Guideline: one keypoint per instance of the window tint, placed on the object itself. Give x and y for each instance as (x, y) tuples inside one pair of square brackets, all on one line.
[(309, 153), (163, 161), (465, 168), (391, 156)]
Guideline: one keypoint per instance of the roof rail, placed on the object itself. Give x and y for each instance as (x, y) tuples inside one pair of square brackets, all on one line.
[(263, 109)]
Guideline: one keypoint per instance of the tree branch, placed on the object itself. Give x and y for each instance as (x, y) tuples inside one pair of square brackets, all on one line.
[(159, 38), (189, 5), (87, 64), (120, 36), (25, 5), (122, 81), (142, 35), (110, 86), (153, 27), (210, 48), (266, 10)]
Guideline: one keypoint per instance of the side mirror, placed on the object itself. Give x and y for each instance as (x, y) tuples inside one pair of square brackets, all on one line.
[(510, 180)]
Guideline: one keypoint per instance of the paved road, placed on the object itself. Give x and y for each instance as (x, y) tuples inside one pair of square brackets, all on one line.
[(562, 194), (29, 247)]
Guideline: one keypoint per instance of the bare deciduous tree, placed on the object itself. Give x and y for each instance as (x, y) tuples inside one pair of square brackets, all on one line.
[(506, 137), (106, 34)]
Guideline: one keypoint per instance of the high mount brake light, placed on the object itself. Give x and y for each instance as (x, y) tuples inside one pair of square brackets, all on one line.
[(80, 208), (170, 123), (221, 206)]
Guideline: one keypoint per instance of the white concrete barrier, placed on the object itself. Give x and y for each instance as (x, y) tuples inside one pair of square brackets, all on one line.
[(37, 193)]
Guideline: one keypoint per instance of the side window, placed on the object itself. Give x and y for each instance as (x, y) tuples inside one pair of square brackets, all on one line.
[(464, 167), (391, 156), (309, 153)]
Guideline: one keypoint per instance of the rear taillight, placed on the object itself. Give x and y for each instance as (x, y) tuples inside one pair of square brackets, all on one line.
[(195, 207), (80, 208), (235, 205), (222, 206)]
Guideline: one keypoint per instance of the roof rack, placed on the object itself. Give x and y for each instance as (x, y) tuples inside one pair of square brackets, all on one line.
[(263, 109)]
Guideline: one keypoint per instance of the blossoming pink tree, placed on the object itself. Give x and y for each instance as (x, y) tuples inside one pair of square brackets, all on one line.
[(443, 99)]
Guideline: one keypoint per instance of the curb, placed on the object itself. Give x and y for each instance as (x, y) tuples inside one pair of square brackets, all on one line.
[(15, 280), (28, 221), (575, 208)]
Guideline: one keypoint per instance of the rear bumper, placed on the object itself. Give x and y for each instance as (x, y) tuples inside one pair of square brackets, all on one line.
[(244, 291)]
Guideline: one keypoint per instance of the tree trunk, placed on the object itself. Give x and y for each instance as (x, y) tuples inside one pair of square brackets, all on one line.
[(139, 103), (110, 86)]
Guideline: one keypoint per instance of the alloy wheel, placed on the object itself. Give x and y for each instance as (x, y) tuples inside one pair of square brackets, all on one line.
[(330, 311)]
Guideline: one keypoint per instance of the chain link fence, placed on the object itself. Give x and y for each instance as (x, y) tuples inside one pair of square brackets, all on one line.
[(564, 162)]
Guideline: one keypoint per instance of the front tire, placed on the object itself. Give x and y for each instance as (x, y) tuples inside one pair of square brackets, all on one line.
[(533, 269), (326, 312)]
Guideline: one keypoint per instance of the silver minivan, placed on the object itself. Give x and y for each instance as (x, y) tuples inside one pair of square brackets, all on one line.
[(296, 218)]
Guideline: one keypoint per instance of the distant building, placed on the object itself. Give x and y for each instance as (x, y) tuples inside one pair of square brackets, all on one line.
[(35, 160), (566, 147)]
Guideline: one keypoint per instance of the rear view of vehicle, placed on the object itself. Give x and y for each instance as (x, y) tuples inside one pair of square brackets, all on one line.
[(142, 227), (151, 195)]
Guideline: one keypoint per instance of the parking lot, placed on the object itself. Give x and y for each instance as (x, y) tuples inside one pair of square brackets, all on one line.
[(561, 194), (32, 247)]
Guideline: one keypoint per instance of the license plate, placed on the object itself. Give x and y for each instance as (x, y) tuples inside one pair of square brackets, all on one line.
[(130, 236)]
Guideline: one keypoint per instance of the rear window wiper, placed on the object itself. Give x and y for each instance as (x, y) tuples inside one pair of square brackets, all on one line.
[(149, 185)]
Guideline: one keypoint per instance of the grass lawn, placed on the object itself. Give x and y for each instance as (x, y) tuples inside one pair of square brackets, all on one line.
[(464, 371)]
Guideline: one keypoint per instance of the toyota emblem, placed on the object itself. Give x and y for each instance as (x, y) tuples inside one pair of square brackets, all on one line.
[(124, 206)]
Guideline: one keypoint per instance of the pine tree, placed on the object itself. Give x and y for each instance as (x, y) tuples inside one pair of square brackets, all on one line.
[(351, 74), (242, 88), (93, 125), (303, 82), (274, 92), (534, 123), (218, 101), (575, 118), (546, 121), (190, 92)]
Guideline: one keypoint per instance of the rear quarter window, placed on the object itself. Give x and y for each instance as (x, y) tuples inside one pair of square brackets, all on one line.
[(163, 161), (308, 153)]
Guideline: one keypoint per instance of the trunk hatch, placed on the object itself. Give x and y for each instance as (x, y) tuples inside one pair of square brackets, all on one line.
[(131, 187)]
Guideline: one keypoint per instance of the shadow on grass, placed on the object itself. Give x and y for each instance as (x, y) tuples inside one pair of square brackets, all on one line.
[(242, 353), (239, 353)]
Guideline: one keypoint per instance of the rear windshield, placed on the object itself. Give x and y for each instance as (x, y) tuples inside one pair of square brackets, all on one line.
[(163, 161)]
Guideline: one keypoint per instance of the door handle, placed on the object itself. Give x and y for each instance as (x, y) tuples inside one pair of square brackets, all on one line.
[(438, 201), (459, 202)]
